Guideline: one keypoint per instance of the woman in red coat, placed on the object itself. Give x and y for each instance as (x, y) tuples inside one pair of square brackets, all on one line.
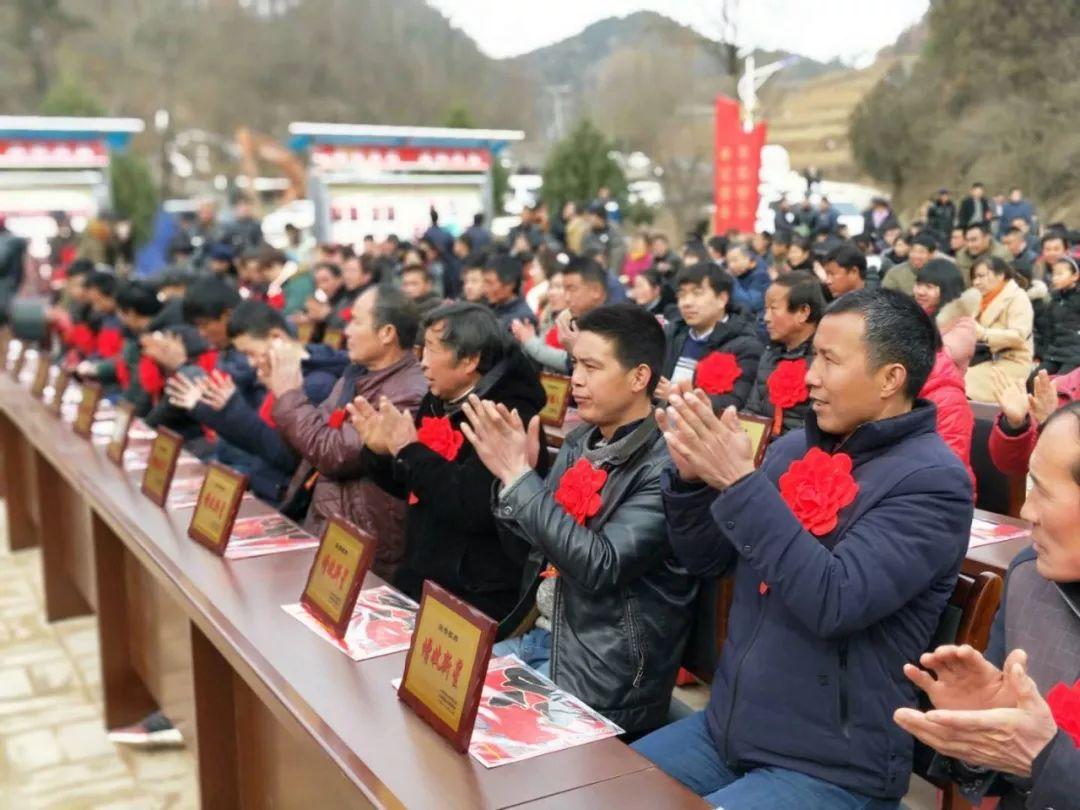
[(955, 420)]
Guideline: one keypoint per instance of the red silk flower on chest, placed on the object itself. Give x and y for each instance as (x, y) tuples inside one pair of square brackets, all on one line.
[(337, 418), (579, 490), (1064, 703), (717, 373), (787, 388), (816, 487), (436, 433)]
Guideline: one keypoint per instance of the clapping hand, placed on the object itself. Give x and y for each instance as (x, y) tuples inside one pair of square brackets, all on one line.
[(567, 330), (184, 392), (502, 442), (523, 330), (285, 369), (165, 349), (705, 447), (1001, 737), (1045, 399), (964, 678), (218, 389), (398, 426)]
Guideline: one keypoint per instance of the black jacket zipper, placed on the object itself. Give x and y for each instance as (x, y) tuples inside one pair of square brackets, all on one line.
[(738, 671), (844, 711), (635, 641)]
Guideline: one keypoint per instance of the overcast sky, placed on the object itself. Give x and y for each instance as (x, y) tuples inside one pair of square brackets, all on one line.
[(850, 29)]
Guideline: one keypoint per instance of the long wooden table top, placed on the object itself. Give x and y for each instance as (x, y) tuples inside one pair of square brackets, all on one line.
[(347, 707)]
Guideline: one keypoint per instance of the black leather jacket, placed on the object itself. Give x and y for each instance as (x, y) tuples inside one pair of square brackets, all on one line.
[(622, 601)]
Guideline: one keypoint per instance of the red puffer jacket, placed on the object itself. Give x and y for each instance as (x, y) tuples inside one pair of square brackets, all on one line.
[(955, 420)]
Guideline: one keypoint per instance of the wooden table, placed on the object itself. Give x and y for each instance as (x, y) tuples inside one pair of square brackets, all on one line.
[(996, 557), (276, 716)]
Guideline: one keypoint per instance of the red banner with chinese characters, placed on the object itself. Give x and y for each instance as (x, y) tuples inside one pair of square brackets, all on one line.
[(738, 162)]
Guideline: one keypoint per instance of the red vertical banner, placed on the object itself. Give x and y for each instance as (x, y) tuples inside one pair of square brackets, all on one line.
[(737, 166)]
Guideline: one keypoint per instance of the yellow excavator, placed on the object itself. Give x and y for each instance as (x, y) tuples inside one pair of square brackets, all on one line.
[(255, 147)]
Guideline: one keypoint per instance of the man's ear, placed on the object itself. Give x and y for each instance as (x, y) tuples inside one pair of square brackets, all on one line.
[(892, 379), (639, 378), (469, 364)]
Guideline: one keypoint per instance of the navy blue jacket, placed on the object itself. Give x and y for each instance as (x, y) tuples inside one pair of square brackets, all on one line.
[(812, 670), (514, 310), (750, 287), (271, 460)]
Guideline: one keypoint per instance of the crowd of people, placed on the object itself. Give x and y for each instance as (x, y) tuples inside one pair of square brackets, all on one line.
[(396, 384)]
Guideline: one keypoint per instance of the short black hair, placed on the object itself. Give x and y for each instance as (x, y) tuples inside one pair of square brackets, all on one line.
[(926, 240), (1055, 234), (718, 244), (470, 330), (995, 264), (976, 226), (331, 267), (944, 275), (636, 334), (803, 290), (719, 280), (209, 297), (507, 269), (656, 281), (589, 269), (896, 330), (103, 282), (139, 297), (174, 277), (782, 237), (255, 319), (394, 308), (849, 257)]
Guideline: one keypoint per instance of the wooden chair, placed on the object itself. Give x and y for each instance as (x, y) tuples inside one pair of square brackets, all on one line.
[(997, 492), (966, 620)]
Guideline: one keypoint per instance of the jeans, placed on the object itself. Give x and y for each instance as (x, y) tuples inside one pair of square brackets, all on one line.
[(533, 648), (685, 751)]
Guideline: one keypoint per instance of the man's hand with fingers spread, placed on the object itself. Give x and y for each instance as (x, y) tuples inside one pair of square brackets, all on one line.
[(502, 442)]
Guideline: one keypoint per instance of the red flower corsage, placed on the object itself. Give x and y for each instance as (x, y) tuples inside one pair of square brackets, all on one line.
[(1064, 702), (436, 433), (109, 342), (337, 418), (579, 490), (816, 487), (717, 373), (787, 388)]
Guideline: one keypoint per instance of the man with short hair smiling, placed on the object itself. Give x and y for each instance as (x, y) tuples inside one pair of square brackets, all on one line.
[(710, 345), (614, 618), (1055, 246), (977, 245), (991, 715), (845, 270), (844, 547), (793, 306)]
